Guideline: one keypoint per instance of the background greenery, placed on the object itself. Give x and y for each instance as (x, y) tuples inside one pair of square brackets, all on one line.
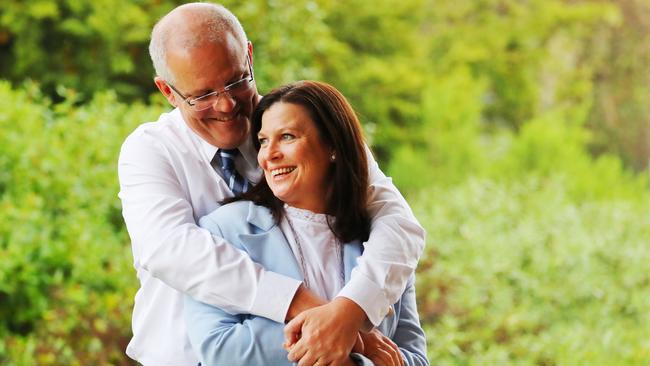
[(518, 130)]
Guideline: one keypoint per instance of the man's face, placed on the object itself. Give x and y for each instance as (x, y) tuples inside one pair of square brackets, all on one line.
[(209, 68)]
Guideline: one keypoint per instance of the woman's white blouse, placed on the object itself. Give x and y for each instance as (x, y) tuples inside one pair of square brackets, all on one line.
[(319, 247)]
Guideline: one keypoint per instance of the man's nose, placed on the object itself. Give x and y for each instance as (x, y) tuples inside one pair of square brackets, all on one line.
[(225, 103)]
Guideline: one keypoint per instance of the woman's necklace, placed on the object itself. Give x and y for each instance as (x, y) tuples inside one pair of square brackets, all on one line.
[(303, 265)]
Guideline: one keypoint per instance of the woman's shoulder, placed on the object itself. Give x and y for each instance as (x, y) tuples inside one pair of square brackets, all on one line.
[(236, 214)]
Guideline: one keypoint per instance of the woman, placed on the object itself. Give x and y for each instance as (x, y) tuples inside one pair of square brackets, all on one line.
[(306, 219)]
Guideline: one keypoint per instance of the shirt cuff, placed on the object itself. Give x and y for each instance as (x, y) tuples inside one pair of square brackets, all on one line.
[(369, 296), (274, 295)]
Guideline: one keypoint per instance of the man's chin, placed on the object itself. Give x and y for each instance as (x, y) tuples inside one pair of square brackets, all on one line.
[(230, 140)]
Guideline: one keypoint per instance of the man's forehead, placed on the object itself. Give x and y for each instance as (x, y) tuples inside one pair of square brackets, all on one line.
[(210, 56)]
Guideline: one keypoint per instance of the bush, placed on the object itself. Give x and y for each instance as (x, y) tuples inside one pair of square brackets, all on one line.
[(524, 273), (66, 280)]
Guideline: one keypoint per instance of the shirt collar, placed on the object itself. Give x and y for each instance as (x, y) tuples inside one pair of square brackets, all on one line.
[(246, 150)]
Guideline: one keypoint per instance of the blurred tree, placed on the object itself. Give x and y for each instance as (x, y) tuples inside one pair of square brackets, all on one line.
[(531, 56), (620, 116), (85, 45)]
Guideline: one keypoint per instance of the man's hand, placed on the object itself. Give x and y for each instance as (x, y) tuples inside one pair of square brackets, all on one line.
[(325, 334), (381, 350)]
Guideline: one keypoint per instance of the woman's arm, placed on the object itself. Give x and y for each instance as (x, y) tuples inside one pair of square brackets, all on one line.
[(220, 338), (409, 335)]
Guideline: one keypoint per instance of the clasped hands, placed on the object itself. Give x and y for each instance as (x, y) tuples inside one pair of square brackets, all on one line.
[(327, 334)]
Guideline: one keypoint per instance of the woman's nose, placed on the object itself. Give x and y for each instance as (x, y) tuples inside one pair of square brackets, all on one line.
[(269, 152), (273, 151)]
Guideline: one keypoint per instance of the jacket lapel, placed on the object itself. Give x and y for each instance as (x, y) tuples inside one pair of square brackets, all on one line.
[(267, 245)]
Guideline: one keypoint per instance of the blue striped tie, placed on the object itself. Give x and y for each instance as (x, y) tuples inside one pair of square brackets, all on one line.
[(235, 181)]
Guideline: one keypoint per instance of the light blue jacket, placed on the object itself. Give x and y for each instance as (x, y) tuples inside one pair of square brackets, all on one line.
[(220, 338)]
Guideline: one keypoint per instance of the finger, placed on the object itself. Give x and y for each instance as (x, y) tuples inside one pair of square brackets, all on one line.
[(394, 351), (308, 359), (287, 346), (293, 329), (381, 358), (402, 362), (394, 357), (358, 347), (298, 351), (384, 357)]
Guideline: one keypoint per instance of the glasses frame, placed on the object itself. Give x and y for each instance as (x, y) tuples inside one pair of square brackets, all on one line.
[(192, 102)]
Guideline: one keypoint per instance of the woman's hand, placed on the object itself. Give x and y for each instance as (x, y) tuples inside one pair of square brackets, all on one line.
[(325, 334), (381, 350)]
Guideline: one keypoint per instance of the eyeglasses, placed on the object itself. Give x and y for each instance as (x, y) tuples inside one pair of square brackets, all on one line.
[(207, 100)]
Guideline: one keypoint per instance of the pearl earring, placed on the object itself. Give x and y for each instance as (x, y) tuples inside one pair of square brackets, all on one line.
[(333, 157)]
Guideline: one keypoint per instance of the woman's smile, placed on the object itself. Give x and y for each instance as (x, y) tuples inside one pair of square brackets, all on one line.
[(295, 161)]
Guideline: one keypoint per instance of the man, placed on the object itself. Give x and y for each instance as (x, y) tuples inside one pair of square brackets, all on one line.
[(176, 170)]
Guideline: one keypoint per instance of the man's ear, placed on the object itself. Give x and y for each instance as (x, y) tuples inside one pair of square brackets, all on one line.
[(250, 52), (165, 90)]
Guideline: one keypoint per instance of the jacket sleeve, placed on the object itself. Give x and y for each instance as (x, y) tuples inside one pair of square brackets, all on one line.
[(220, 338), (409, 335)]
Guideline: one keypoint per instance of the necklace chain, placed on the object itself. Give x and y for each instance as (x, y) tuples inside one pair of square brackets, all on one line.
[(303, 265)]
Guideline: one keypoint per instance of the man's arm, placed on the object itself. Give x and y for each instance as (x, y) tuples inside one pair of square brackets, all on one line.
[(167, 242), (392, 251)]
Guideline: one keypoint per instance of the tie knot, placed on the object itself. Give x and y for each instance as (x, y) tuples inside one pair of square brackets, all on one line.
[(228, 158)]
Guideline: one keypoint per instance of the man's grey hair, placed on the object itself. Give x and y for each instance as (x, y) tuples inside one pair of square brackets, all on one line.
[(191, 25)]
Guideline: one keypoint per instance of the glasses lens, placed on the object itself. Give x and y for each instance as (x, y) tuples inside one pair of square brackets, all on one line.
[(205, 102), (238, 85)]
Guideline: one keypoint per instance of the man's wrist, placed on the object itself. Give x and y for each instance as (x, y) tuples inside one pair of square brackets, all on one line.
[(356, 315), (369, 296), (303, 300)]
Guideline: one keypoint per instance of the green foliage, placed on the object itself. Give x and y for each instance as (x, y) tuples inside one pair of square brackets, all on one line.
[(85, 45), (510, 92), (520, 272), (551, 146), (447, 147), (66, 283), (530, 57)]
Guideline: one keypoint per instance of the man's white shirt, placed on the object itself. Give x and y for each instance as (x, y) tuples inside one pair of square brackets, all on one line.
[(167, 184)]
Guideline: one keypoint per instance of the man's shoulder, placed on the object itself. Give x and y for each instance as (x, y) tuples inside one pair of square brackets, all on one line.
[(167, 134), (167, 123)]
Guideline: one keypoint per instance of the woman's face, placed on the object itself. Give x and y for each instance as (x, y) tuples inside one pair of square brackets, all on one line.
[(295, 161)]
